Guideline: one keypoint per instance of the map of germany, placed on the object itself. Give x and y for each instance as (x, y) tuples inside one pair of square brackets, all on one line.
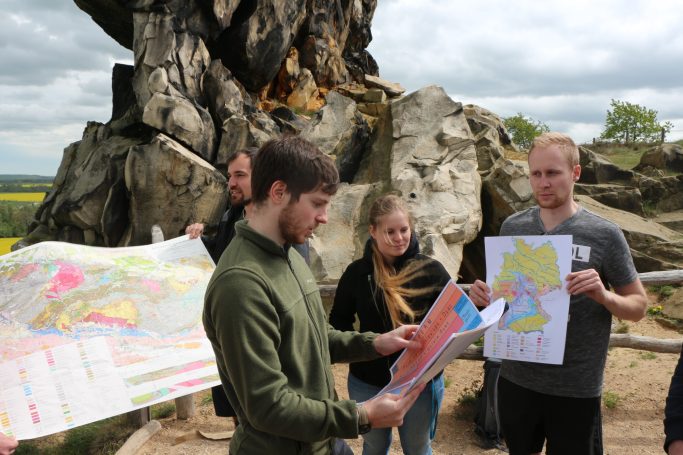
[(527, 274)]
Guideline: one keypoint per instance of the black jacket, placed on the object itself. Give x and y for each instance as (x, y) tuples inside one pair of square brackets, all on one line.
[(226, 231), (358, 296)]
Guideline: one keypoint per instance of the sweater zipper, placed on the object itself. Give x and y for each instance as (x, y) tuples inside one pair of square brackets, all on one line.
[(310, 317)]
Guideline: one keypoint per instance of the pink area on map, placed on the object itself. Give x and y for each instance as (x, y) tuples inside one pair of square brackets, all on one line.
[(191, 383), (22, 346), (108, 321), (192, 366), (23, 272), (67, 277), (152, 285)]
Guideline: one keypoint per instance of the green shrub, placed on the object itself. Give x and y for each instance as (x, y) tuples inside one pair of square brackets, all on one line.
[(610, 399), (163, 410)]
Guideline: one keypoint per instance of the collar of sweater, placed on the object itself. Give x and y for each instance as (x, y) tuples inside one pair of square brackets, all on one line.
[(243, 229)]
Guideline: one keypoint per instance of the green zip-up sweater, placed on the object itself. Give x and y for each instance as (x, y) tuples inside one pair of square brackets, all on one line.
[(274, 348)]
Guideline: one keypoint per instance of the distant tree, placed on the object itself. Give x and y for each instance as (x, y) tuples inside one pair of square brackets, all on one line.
[(524, 129), (627, 123)]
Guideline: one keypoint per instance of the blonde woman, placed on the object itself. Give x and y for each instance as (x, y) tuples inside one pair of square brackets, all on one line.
[(392, 284)]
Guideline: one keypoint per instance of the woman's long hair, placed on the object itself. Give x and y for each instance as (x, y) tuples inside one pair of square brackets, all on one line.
[(392, 283)]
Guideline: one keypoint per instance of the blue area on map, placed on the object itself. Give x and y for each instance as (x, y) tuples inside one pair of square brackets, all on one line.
[(468, 313), (523, 305)]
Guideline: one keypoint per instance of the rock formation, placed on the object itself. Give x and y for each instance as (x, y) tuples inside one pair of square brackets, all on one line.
[(211, 77)]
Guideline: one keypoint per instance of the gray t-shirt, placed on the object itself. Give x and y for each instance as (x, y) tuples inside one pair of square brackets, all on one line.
[(598, 244)]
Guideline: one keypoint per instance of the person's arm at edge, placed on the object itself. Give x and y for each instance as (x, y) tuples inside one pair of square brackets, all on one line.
[(673, 413), (628, 301), (7, 444)]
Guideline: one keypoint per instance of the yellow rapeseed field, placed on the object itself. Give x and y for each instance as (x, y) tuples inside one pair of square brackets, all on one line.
[(6, 243), (22, 197)]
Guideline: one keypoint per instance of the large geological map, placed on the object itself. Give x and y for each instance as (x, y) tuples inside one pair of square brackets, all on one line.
[(87, 333), (528, 272)]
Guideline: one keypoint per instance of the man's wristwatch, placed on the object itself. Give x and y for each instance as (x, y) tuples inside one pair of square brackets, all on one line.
[(363, 420)]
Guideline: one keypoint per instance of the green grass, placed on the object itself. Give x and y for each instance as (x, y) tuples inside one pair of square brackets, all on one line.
[(624, 156), (622, 327), (662, 291), (610, 399), (648, 355), (163, 410), (626, 159), (102, 437), (6, 243)]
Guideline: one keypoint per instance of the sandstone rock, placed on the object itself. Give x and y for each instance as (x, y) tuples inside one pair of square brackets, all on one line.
[(667, 157), (162, 171), (341, 132), (336, 244), (303, 92), (491, 137), (208, 18), (596, 169), (375, 95), (323, 57), (353, 90), (372, 109), (620, 197), (239, 132), (125, 110), (662, 194), (424, 149), (653, 247), (179, 118), (359, 62), (88, 177), (392, 89), (226, 95), (253, 49)]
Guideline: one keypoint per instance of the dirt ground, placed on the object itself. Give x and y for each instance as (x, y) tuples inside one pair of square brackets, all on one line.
[(636, 383)]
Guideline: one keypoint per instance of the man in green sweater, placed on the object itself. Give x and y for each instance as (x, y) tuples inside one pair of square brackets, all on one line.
[(265, 319)]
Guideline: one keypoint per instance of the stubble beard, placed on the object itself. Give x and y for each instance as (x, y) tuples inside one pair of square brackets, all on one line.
[(289, 229)]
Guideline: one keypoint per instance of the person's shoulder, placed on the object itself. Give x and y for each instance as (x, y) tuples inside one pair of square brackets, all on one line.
[(522, 217), (357, 268), (597, 221), (522, 214), (434, 266)]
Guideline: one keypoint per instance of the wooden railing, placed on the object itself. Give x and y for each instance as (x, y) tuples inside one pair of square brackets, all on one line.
[(617, 340)]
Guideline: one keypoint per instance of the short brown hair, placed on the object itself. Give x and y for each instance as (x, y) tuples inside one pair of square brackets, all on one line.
[(565, 143), (249, 152), (296, 162)]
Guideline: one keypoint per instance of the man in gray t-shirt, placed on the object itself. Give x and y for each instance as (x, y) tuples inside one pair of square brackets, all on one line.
[(560, 404)]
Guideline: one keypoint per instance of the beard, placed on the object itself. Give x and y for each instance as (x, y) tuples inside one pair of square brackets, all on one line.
[(237, 198), (554, 202), (291, 230)]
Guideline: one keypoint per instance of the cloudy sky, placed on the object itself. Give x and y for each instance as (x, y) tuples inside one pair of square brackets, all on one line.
[(559, 62)]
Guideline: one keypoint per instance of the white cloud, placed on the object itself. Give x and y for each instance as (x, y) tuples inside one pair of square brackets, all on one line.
[(559, 62)]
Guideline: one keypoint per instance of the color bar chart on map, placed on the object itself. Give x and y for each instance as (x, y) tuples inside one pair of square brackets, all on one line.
[(452, 323)]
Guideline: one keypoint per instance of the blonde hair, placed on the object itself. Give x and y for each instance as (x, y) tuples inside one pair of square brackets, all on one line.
[(565, 143), (393, 283)]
